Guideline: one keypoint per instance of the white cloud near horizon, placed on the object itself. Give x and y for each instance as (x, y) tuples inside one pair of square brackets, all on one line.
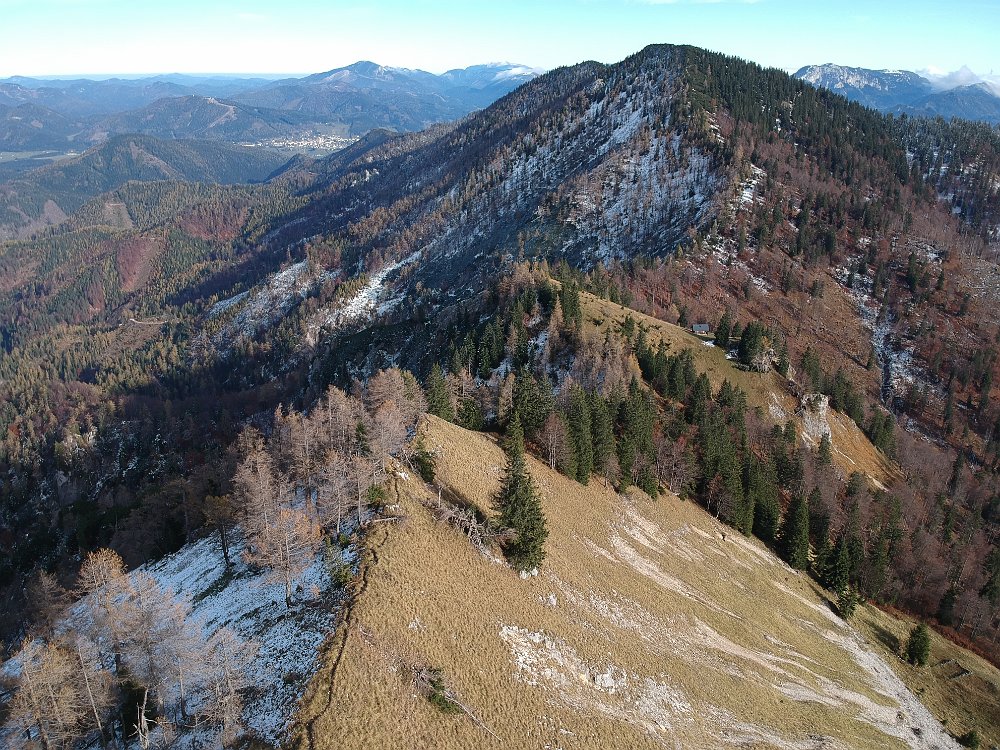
[(943, 80)]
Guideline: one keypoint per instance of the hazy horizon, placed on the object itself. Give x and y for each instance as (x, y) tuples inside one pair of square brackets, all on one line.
[(939, 78), (64, 38)]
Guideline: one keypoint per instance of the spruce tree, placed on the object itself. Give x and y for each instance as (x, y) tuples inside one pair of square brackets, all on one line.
[(519, 506), (795, 534), (956, 471), (847, 602), (946, 607), (602, 433), (762, 488), (626, 461), (438, 398), (991, 569), (532, 401), (751, 342), (825, 453), (839, 570), (580, 434), (697, 404), (918, 646), (647, 481), (723, 329)]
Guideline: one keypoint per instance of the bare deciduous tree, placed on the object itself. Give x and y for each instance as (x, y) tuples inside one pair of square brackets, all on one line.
[(385, 386), (389, 432), (555, 440), (165, 651), (303, 451), (339, 416), (505, 399), (228, 658), (256, 486), (49, 700), (220, 512), (335, 489), (287, 546), (48, 600), (97, 684), (105, 586)]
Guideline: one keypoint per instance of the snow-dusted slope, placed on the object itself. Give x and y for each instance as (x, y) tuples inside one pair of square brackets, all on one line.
[(283, 641), (287, 639)]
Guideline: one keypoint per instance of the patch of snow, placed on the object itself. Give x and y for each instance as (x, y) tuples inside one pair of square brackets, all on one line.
[(551, 664), (268, 303), (366, 301), (288, 638), (222, 305)]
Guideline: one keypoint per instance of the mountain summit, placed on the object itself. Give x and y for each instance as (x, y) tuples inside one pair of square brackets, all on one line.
[(961, 94)]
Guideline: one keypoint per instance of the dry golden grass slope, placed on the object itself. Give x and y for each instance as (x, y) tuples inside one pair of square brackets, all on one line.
[(852, 451), (959, 687), (649, 626)]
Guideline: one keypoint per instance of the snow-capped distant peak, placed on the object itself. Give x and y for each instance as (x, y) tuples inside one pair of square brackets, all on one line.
[(516, 71), (841, 76), (961, 93)]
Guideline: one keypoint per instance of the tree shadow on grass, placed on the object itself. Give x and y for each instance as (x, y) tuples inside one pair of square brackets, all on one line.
[(886, 638)]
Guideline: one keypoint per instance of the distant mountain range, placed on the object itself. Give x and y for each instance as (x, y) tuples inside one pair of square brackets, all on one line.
[(905, 92), (37, 114)]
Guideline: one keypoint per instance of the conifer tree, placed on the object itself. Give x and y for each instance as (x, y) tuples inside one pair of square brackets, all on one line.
[(991, 568), (751, 342), (647, 481), (723, 329), (847, 602), (520, 506), (602, 434), (946, 607), (438, 398), (638, 413), (839, 569), (762, 490), (580, 434), (697, 404), (956, 471), (626, 461), (824, 455), (918, 646), (737, 333), (795, 534), (532, 401)]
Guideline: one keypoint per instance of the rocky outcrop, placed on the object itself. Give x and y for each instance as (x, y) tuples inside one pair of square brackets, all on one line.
[(813, 410)]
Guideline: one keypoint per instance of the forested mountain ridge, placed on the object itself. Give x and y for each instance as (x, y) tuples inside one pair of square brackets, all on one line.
[(206, 118), (49, 194), (28, 127), (690, 186), (557, 166)]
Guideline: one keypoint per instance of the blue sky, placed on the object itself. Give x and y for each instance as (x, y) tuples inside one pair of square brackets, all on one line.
[(47, 37)]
